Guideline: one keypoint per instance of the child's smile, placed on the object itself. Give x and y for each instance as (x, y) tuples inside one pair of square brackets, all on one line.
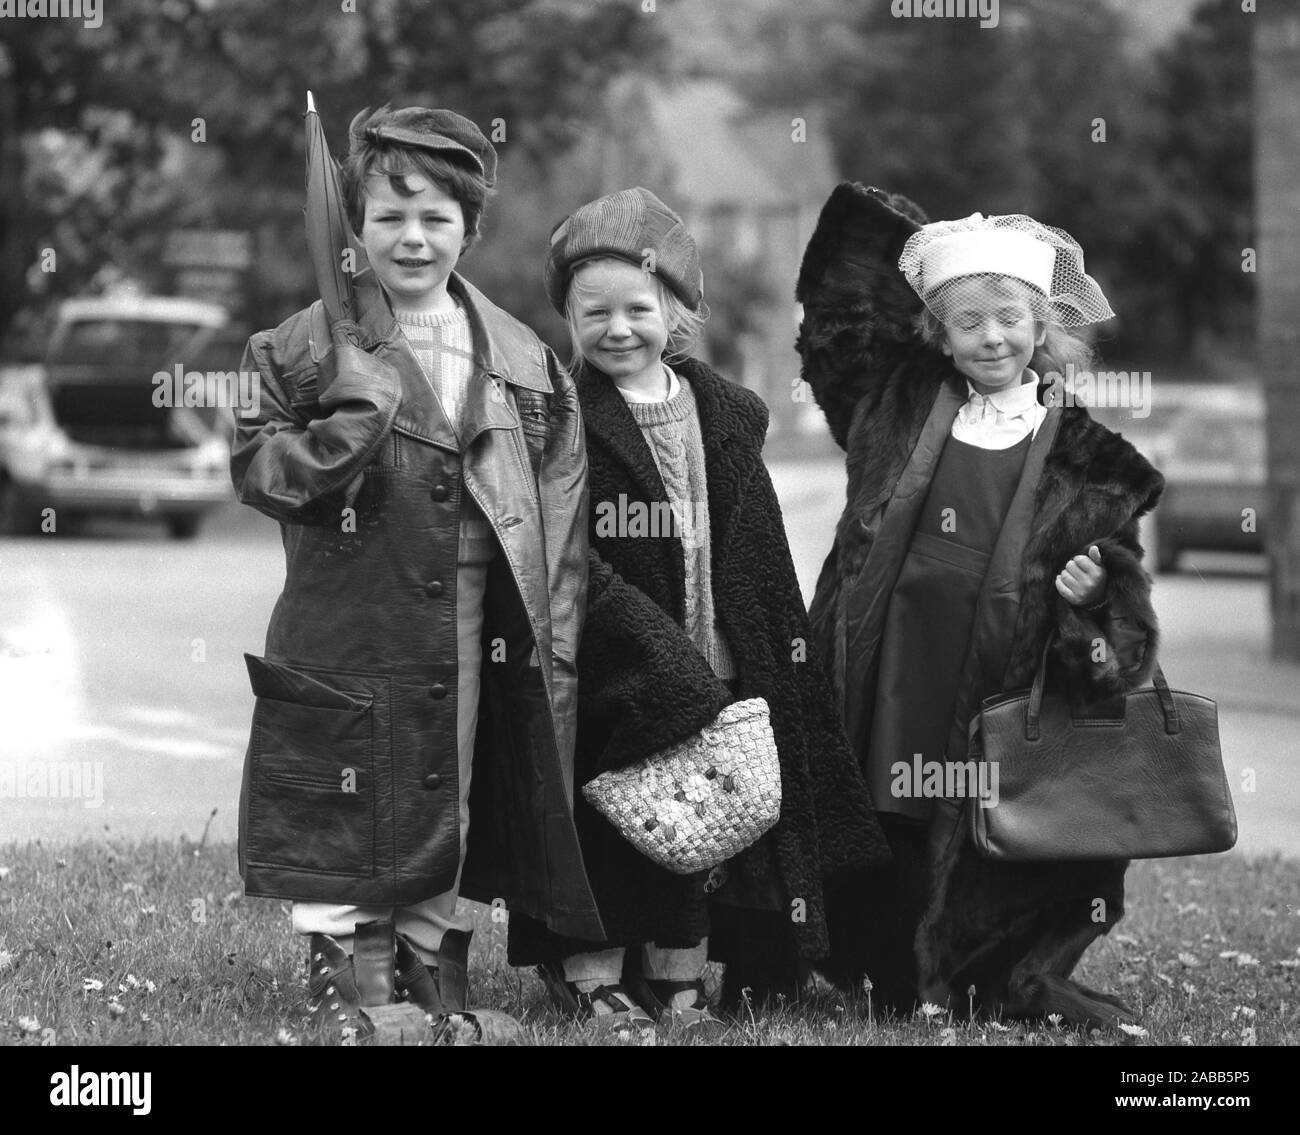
[(991, 334), (621, 325)]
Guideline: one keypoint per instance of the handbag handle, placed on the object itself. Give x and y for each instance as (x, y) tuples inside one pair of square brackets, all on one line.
[(1034, 707)]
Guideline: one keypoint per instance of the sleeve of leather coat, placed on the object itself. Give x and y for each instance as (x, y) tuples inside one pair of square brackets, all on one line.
[(305, 470), (562, 490)]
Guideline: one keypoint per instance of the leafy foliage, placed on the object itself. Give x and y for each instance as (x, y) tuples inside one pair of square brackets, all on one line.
[(1058, 112), (125, 98)]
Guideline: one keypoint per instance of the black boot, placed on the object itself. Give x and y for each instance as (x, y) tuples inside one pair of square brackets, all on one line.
[(442, 990), (333, 1000), (453, 970), (416, 981), (373, 953)]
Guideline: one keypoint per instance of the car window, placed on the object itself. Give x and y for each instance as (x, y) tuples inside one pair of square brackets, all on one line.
[(1218, 438), (91, 341)]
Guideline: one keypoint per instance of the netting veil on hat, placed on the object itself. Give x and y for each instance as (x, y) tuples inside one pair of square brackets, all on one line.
[(952, 265)]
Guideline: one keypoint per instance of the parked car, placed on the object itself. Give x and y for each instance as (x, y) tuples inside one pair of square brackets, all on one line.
[(81, 434), (1213, 459), (1208, 441)]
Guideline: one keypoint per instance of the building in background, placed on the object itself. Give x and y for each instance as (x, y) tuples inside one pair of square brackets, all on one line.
[(749, 185)]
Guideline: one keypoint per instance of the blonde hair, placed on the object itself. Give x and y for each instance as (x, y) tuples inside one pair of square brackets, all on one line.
[(1060, 347), (684, 323)]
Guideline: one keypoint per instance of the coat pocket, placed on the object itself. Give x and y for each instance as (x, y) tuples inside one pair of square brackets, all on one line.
[(311, 803)]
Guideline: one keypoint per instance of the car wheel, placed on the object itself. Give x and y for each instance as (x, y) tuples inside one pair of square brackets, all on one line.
[(183, 527), (17, 516)]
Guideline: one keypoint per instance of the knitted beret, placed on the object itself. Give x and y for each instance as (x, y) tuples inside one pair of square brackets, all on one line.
[(633, 225)]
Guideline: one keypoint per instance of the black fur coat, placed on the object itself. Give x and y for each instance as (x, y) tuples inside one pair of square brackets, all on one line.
[(1015, 931), (643, 685)]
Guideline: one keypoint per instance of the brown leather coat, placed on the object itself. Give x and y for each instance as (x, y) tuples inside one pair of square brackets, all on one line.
[(350, 790)]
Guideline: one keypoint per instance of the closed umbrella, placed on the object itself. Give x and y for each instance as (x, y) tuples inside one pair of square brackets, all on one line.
[(329, 236)]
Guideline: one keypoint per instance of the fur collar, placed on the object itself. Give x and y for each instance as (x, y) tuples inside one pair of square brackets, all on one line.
[(733, 424)]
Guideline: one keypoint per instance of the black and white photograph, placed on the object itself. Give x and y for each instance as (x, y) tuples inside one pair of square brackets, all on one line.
[(650, 523)]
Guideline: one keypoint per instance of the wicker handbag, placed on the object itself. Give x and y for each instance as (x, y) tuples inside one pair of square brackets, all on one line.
[(699, 802)]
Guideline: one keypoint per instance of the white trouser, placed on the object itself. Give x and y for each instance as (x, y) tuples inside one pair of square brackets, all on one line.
[(424, 922)]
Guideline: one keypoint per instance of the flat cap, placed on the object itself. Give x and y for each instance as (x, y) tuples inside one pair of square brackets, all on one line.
[(441, 131), (633, 225)]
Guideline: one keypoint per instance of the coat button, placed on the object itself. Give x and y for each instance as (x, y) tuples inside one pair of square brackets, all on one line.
[(434, 589), (440, 492), (438, 691), (432, 780)]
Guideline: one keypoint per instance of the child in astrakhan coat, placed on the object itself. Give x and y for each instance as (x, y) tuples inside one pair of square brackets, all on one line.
[(681, 623)]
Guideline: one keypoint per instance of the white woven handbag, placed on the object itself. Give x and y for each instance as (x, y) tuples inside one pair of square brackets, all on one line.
[(699, 802)]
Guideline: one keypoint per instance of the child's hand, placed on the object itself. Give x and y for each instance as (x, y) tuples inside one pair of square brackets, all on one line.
[(1083, 582)]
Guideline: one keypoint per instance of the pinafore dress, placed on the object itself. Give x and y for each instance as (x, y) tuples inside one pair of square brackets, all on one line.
[(931, 615)]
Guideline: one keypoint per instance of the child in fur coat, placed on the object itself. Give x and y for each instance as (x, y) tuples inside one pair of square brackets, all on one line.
[(979, 521), (680, 624)]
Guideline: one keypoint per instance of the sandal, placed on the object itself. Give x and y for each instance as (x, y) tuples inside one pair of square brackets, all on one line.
[(657, 996), (569, 1000)]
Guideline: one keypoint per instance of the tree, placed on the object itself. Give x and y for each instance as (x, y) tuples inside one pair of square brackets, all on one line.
[(1058, 112), (1199, 215), (1277, 134), (230, 78)]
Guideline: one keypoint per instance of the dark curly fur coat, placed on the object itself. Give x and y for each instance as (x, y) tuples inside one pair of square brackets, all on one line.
[(643, 685), (1013, 930)]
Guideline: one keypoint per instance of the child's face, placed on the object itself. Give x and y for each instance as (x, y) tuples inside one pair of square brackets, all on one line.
[(619, 320), (413, 242), (991, 332)]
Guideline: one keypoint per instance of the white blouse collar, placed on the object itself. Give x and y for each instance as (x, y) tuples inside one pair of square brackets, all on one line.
[(1010, 401)]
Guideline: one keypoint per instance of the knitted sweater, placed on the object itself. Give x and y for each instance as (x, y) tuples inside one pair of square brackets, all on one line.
[(672, 431), (444, 348)]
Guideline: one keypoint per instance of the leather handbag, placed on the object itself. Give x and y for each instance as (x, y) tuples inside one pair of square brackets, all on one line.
[(697, 803), (1136, 776)]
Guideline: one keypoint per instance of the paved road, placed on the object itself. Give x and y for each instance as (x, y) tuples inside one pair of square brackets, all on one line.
[(122, 651)]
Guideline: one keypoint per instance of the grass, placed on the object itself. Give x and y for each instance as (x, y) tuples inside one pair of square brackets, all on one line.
[(154, 943)]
